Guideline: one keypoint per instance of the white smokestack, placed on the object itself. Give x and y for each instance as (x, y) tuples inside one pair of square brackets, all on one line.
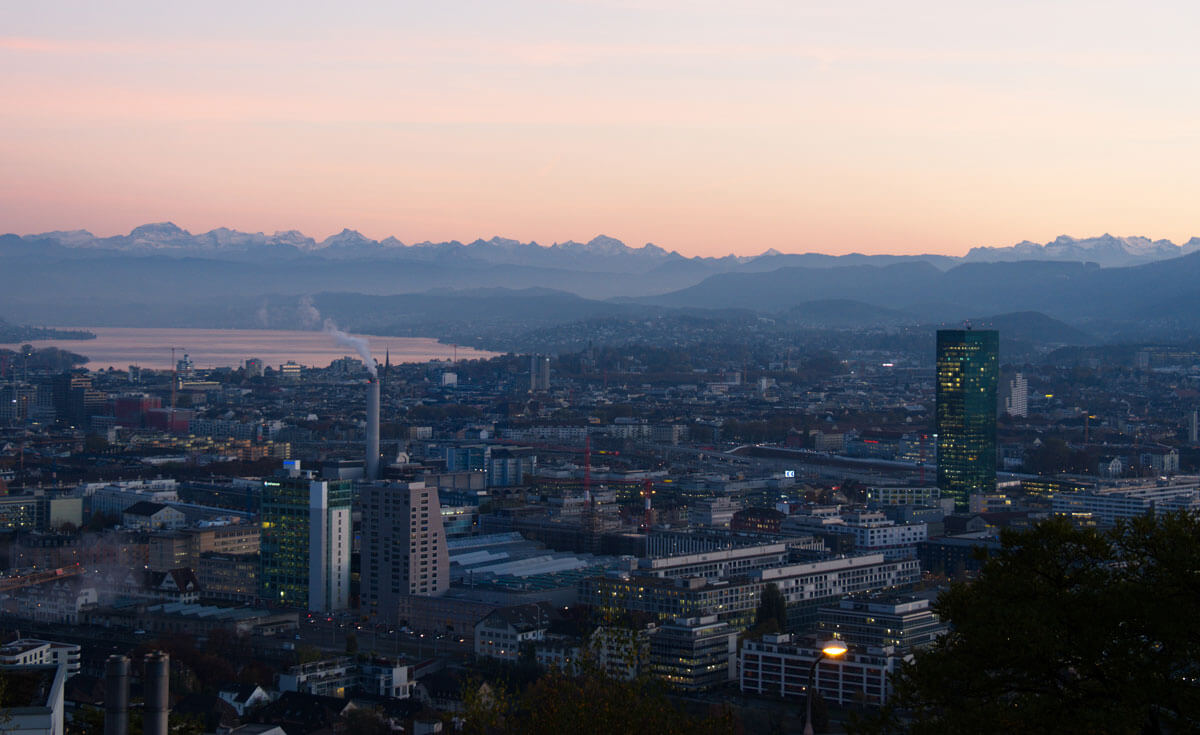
[(372, 468)]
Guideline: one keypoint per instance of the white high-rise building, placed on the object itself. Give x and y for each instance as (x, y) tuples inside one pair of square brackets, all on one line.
[(306, 541), (403, 545), (330, 532), (539, 373), (1017, 402)]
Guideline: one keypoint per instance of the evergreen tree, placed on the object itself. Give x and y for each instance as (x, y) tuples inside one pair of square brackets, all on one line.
[(771, 615)]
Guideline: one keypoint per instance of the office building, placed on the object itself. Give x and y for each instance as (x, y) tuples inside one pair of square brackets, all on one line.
[(779, 665), (403, 546), (694, 654), (34, 701), (1017, 402), (306, 535), (902, 621), (1110, 505), (539, 373), (967, 376), (468, 458), (25, 652), (806, 587), (178, 549)]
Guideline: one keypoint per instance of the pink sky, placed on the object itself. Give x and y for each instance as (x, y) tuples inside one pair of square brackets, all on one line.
[(703, 127)]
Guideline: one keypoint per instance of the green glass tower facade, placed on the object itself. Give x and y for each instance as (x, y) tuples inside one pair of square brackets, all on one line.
[(305, 550), (968, 373)]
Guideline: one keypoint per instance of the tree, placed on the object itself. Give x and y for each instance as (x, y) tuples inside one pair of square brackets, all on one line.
[(596, 703), (363, 721), (1066, 630), (771, 616)]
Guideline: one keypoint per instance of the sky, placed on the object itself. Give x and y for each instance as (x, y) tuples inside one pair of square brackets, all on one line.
[(703, 127)]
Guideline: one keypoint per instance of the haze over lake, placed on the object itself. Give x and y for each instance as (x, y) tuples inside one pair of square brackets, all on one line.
[(120, 347)]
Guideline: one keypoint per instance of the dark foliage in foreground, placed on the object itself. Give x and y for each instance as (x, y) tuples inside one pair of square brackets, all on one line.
[(1066, 630)]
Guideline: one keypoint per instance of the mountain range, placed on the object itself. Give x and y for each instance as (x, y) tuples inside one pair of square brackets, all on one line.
[(166, 238), (162, 275)]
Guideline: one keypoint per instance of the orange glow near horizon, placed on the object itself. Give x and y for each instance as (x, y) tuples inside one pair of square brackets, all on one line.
[(701, 127)]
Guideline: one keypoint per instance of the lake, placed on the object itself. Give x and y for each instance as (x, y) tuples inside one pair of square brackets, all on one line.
[(120, 347)]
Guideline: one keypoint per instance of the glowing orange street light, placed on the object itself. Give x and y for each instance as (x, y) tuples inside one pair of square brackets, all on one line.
[(829, 649), (833, 649)]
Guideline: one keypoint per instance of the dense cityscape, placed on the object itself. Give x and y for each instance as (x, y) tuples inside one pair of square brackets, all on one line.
[(327, 548), (530, 367)]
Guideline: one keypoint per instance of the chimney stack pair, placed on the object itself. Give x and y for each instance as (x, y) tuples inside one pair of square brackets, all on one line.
[(156, 684)]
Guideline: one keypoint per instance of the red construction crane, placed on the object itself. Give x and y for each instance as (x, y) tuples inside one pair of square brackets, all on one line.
[(38, 577)]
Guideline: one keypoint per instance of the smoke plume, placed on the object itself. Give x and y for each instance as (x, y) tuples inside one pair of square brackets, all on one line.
[(311, 317), (308, 314), (358, 344)]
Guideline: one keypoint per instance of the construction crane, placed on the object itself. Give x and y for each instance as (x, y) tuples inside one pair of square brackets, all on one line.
[(35, 577)]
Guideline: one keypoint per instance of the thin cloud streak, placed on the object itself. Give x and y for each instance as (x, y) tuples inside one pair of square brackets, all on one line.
[(551, 54)]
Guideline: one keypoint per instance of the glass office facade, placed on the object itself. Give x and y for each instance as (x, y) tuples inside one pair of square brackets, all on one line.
[(968, 372)]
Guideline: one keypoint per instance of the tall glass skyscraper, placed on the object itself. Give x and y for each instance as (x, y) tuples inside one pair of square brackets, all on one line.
[(306, 534), (968, 371)]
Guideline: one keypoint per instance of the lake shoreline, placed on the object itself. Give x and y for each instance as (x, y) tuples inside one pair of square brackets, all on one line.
[(151, 347)]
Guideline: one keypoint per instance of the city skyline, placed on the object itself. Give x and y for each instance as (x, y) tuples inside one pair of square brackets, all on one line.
[(703, 128)]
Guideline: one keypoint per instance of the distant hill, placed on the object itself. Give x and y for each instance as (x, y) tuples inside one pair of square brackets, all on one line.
[(1030, 326), (162, 275), (785, 288), (1158, 298), (13, 333), (843, 314)]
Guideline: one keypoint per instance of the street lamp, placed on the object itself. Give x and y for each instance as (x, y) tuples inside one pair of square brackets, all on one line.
[(829, 649)]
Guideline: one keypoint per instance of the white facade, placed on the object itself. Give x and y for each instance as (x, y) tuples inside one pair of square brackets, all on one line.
[(386, 678), (329, 542), (44, 715), (717, 564), (36, 652), (52, 602), (327, 678), (112, 499), (778, 665), (1108, 506), (873, 532), (1017, 402), (714, 512)]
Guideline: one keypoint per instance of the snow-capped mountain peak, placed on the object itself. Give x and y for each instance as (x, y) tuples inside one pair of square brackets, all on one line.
[(1107, 250)]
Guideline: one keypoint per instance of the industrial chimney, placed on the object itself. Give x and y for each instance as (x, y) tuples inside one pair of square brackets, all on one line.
[(372, 468), (156, 683), (116, 695)]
